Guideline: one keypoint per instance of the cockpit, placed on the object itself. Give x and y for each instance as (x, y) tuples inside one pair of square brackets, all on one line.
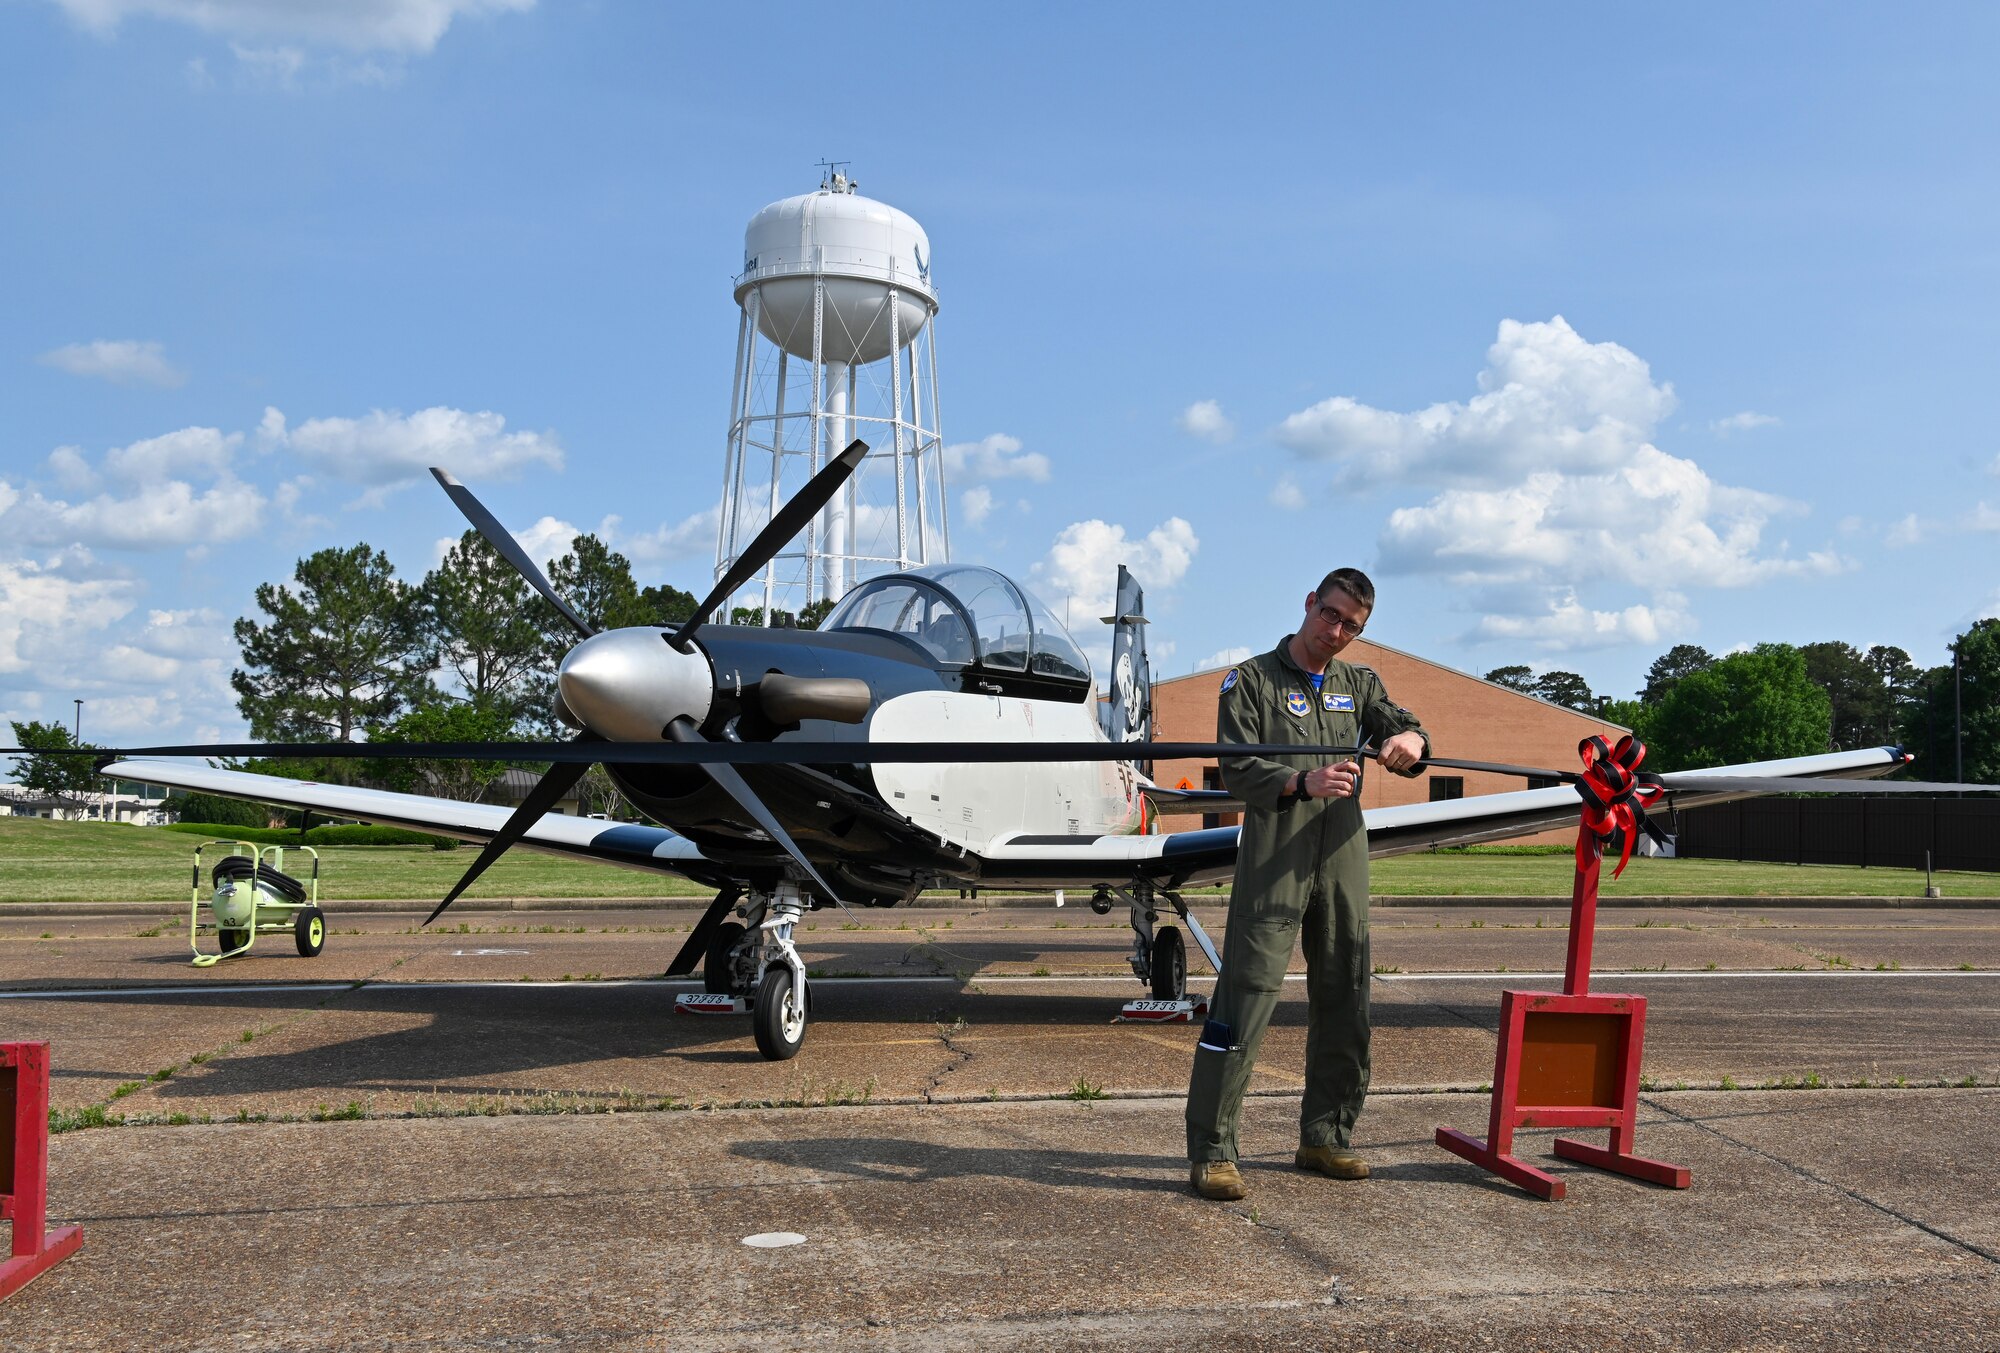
[(965, 615)]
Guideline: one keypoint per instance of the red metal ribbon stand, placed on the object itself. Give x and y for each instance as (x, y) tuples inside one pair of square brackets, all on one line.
[(24, 1168), (1569, 1059)]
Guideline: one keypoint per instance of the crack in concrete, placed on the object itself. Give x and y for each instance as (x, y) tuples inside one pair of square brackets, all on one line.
[(1802, 1172), (961, 1057)]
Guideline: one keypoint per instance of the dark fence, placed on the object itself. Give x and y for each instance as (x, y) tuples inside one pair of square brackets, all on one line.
[(1891, 833)]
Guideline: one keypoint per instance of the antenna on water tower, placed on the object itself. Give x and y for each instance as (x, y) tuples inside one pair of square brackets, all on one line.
[(837, 340)]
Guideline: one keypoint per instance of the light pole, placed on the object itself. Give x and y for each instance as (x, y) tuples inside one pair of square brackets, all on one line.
[(76, 733)]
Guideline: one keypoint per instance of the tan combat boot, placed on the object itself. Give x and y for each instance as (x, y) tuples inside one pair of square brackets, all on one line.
[(1217, 1179), (1335, 1162)]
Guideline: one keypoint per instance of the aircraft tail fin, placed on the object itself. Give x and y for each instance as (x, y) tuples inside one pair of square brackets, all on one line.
[(1128, 715)]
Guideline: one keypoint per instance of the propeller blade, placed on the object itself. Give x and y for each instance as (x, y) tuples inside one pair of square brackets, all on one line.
[(696, 948), (559, 780), (803, 507), (683, 731), (510, 549)]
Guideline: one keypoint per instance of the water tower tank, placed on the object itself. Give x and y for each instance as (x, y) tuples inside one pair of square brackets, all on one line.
[(837, 341), (863, 250)]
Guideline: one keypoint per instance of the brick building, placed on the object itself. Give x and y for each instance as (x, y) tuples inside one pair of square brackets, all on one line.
[(1467, 718)]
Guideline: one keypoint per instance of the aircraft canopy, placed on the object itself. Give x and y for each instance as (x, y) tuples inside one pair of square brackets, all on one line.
[(962, 613)]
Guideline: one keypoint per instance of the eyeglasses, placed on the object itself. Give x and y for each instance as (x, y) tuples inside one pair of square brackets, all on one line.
[(1334, 620)]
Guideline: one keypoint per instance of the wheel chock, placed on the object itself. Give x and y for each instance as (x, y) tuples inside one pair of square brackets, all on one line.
[(1163, 1012), (24, 1168), (709, 1003)]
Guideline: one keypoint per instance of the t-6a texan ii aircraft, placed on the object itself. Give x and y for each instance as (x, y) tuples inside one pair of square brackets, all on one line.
[(939, 730)]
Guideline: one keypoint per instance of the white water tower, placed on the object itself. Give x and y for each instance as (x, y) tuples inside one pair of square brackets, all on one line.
[(837, 341)]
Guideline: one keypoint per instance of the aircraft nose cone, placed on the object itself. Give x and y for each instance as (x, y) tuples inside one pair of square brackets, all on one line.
[(628, 685)]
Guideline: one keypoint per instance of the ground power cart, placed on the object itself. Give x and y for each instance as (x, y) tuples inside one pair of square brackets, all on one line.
[(249, 895)]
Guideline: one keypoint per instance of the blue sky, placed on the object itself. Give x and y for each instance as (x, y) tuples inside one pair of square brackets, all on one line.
[(1586, 332)]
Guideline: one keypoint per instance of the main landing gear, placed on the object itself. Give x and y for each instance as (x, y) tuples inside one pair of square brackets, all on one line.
[(1159, 954), (752, 965)]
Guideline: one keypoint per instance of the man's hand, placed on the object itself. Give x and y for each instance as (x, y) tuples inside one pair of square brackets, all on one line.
[(1402, 751), (1332, 782)]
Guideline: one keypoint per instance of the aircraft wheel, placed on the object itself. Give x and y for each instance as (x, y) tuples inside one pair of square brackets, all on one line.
[(229, 941), (716, 977), (1169, 965), (780, 1017), (309, 932)]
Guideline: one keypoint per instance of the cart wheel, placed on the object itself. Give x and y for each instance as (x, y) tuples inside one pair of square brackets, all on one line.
[(716, 978), (309, 931), (1169, 965), (230, 941), (780, 1017)]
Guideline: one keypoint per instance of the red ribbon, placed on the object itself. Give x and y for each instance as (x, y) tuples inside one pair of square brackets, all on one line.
[(1615, 798)]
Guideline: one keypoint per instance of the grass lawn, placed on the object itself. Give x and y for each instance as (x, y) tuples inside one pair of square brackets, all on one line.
[(43, 861)]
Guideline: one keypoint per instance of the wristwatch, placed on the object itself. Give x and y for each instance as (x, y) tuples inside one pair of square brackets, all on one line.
[(1299, 795)]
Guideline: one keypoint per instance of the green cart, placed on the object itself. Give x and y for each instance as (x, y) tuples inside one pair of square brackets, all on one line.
[(251, 894)]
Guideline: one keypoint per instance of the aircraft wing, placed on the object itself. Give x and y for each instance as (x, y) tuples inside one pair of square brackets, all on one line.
[(635, 847), (1193, 858)]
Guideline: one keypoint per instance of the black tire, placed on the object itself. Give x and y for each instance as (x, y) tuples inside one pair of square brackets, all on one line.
[(715, 973), (779, 1019), (309, 932), (229, 941), (1169, 965)]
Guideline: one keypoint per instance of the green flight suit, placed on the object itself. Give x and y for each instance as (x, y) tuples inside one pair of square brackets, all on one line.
[(1301, 874)]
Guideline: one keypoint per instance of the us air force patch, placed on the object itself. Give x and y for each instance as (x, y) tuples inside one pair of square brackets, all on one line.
[(1339, 704), (1296, 702), (1229, 680)]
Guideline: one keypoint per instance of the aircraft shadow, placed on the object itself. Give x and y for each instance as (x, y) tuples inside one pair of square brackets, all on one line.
[(894, 1160)]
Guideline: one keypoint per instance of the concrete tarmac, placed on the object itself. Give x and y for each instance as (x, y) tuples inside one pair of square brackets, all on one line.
[(445, 1144)]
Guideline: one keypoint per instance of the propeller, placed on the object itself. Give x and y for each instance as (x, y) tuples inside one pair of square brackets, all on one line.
[(548, 790), (684, 732), (576, 760), (803, 507), (510, 549)]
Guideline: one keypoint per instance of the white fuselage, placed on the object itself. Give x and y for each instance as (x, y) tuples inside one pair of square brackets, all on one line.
[(976, 806)]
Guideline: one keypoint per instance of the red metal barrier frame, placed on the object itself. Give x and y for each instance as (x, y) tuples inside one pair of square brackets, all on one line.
[(24, 1168), (1565, 1061)]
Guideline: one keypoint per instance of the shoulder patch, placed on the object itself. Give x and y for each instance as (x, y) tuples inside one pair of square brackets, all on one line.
[(1229, 680)]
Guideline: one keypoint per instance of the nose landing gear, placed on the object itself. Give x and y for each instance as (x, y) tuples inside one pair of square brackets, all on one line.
[(1159, 956), (753, 966)]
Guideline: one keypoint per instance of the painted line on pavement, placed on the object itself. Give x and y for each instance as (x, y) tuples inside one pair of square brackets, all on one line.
[(191, 988)]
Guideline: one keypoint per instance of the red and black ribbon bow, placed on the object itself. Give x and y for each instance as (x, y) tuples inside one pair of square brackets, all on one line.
[(1616, 794)]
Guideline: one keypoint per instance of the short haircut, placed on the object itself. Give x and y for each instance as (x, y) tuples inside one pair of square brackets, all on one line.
[(1351, 581)]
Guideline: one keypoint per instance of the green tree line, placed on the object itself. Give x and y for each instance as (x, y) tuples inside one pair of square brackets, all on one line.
[(1781, 700)]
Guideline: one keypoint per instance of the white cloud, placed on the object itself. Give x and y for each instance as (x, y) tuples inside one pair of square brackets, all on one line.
[(38, 601), (1911, 530), (1742, 422), (404, 27), (1657, 517), (685, 539), (1082, 565), (547, 539), (1983, 517), (996, 457), (1287, 494), (1204, 419), (975, 505), (122, 361), (1549, 401), (1566, 624), (1226, 657), (1548, 490), (385, 449), (157, 508)]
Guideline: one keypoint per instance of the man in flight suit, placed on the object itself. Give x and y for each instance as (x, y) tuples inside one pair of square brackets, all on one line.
[(1301, 874)]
